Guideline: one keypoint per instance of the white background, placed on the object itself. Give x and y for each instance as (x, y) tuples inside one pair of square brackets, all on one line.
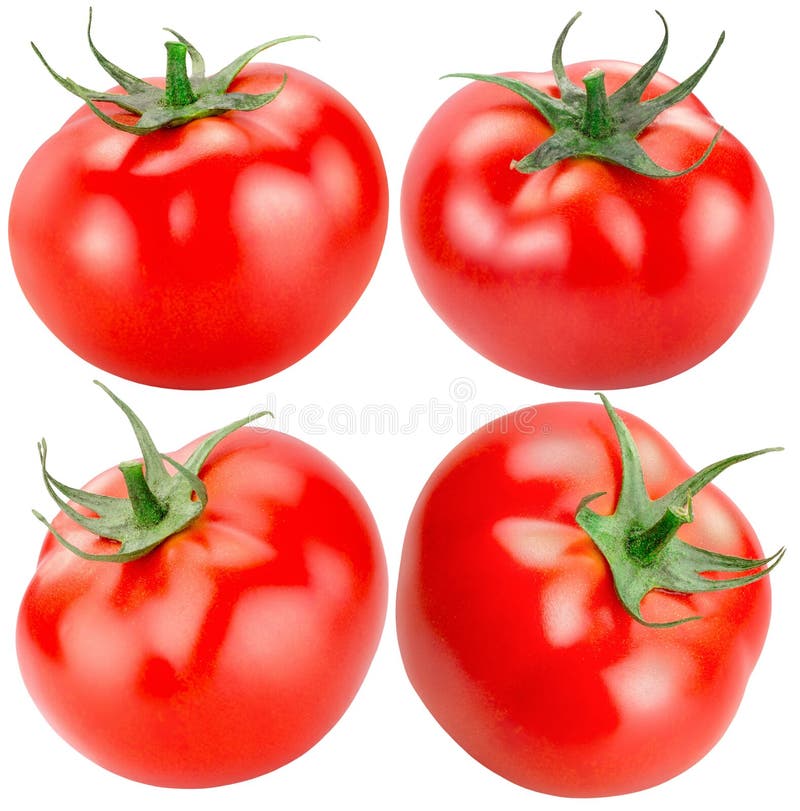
[(392, 351)]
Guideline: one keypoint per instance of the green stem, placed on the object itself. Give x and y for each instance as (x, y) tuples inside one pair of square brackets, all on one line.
[(178, 90), (644, 546), (147, 509), (597, 122)]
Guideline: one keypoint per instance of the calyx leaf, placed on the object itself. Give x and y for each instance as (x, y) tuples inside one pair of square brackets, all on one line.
[(159, 504), (589, 124), (639, 539)]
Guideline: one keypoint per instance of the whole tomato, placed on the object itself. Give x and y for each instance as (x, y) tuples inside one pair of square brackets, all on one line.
[(575, 650), (225, 649), (574, 228), (212, 248)]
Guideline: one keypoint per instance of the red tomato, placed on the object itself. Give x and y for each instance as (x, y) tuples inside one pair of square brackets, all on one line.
[(232, 647), (208, 255), (515, 638), (583, 274)]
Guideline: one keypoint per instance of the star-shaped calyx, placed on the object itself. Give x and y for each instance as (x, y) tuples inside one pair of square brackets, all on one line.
[(588, 123), (184, 98), (639, 539), (159, 503)]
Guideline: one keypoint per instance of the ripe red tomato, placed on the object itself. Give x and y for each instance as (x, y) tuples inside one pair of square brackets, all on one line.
[(513, 630), (584, 274), (210, 254), (232, 647)]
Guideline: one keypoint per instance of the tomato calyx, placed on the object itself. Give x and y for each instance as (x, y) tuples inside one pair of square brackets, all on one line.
[(639, 539), (183, 99), (588, 123), (159, 504)]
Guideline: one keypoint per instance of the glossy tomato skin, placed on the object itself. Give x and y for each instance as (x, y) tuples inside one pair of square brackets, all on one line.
[(234, 646), (513, 636), (583, 275), (208, 255)]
